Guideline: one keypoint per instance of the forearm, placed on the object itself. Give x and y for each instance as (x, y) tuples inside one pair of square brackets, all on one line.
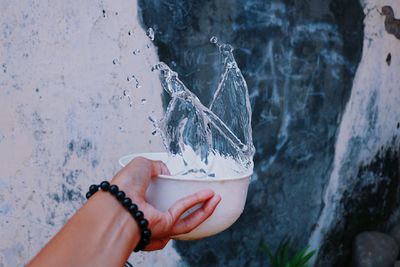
[(101, 233)]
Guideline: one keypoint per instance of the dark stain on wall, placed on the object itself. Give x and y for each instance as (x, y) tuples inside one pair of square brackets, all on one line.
[(389, 59), (299, 59), (366, 206), (71, 176), (392, 25), (82, 148)]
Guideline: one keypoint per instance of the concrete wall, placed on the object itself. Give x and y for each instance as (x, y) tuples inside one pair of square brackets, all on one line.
[(64, 119)]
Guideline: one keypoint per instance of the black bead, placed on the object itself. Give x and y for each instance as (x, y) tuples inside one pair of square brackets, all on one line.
[(143, 223), (133, 208), (114, 189), (138, 215), (126, 202), (88, 195), (146, 233), (105, 186), (120, 195), (93, 188), (144, 241)]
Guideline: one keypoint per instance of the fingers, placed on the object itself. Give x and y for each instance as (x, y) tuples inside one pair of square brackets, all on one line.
[(179, 207), (155, 167), (190, 222), (159, 167), (157, 244), (135, 177), (143, 168)]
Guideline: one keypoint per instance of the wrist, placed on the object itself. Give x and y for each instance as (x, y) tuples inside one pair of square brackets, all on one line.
[(130, 208)]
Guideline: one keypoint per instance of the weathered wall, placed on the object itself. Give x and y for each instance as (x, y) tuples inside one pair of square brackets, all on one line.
[(325, 98), (64, 121), (325, 114), (363, 192)]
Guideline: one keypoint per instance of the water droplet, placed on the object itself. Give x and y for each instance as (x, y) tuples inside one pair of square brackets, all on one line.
[(136, 51), (130, 33), (150, 34), (137, 83), (115, 61), (143, 100), (154, 132), (159, 66), (126, 94), (213, 40), (151, 119)]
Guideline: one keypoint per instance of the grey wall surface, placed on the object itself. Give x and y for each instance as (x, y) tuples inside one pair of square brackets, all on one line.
[(64, 119), (323, 163)]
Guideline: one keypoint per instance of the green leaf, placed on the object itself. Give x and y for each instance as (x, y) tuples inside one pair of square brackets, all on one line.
[(281, 256)]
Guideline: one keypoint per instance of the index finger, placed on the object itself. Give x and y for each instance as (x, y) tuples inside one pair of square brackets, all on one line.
[(136, 175)]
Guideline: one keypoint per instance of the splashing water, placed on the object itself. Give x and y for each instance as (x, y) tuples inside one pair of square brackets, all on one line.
[(203, 136)]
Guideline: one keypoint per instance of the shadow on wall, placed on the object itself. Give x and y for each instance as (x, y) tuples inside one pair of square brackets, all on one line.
[(299, 59)]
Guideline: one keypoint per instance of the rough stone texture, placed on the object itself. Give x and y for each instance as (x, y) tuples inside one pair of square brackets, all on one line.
[(64, 121), (374, 249), (299, 59), (395, 233), (327, 162), (363, 190)]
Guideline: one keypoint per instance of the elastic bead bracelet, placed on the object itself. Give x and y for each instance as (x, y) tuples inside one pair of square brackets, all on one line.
[(132, 208)]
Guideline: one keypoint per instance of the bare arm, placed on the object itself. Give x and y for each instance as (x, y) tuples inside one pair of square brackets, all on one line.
[(103, 233)]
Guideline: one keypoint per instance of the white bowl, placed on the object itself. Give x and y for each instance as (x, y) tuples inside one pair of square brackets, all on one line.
[(164, 190)]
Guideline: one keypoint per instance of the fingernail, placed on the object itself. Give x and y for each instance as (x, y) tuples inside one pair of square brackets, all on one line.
[(164, 169), (217, 198)]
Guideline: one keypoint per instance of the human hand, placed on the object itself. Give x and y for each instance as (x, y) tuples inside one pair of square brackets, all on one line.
[(135, 178)]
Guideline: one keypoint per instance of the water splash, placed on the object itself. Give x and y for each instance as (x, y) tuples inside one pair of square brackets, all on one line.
[(200, 135), (231, 102)]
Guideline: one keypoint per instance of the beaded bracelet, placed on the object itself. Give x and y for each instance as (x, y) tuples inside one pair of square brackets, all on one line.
[(131, 207)]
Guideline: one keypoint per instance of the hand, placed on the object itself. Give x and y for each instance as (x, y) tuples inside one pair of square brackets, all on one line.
[(135, 178)]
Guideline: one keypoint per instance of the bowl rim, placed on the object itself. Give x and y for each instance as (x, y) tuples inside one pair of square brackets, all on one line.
[(246, 175)]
